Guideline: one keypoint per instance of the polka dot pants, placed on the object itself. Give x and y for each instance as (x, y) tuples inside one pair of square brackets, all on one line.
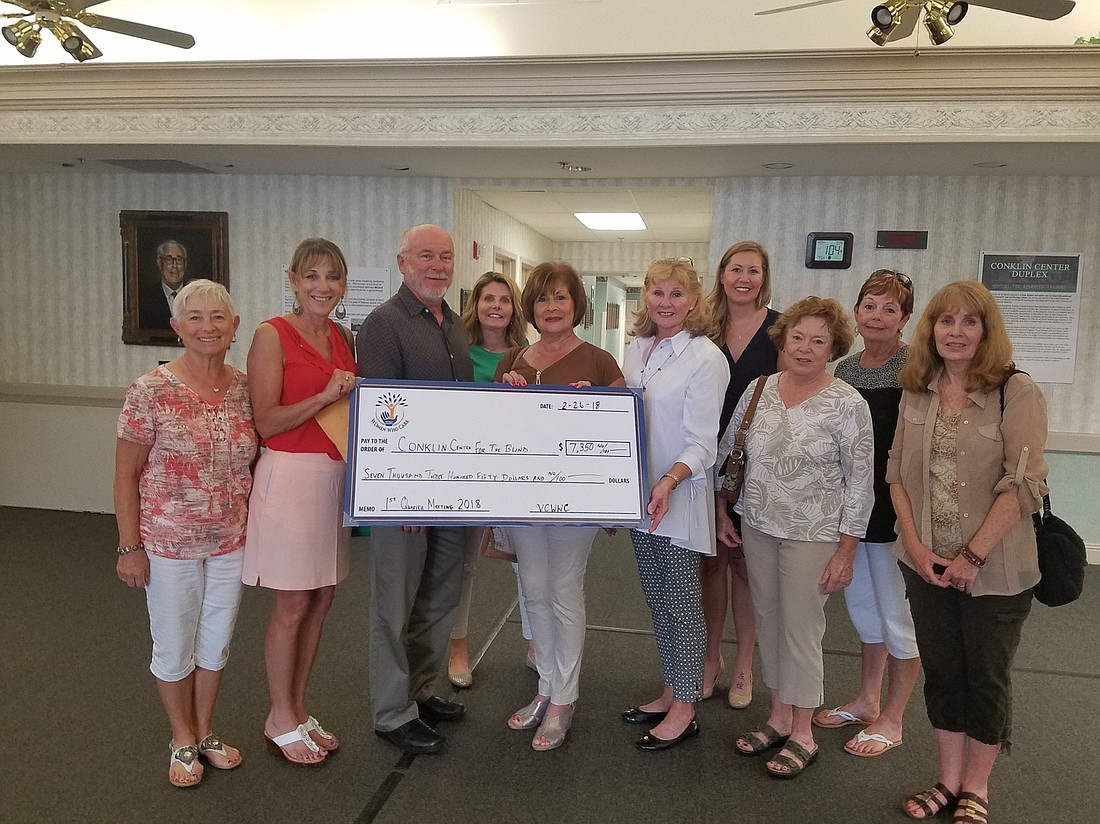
[(670, 581)]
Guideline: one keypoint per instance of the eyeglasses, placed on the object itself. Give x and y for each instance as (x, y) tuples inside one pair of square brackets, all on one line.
[(900, 277), (173, 260)]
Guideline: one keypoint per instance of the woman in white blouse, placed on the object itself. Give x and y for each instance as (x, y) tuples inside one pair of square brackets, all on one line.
[(682, 376), (804, 506)]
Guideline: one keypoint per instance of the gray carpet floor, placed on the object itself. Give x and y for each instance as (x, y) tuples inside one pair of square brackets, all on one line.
[(85, 740)]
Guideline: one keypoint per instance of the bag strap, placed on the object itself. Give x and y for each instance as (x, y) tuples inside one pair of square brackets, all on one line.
[(746, 421), (1004, 383)]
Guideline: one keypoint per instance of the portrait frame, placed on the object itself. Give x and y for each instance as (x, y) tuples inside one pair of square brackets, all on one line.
[(205, 238)]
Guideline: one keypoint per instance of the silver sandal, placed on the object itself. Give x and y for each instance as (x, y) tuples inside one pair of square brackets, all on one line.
[(213, 744), (187, 757), (530, 716)]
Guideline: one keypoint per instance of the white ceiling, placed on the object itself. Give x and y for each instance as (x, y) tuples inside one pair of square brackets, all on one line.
[(369, 29), (671, 215)]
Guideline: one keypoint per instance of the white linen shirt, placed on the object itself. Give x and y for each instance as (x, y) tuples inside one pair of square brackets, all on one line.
[(809, 472), (682, 383)]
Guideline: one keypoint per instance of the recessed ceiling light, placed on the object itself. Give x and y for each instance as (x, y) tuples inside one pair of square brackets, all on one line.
[(611, 221), (569, 167), (778, 165), (990, 164)]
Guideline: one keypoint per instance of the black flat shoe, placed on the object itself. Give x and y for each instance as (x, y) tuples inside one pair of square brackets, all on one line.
[(414, 737), (636, 715), (650, 742), (437, 708)]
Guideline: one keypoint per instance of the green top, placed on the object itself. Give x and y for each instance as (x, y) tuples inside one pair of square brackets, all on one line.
[(485, 363)]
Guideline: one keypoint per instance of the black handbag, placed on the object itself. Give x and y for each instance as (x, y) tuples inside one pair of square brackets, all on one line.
[(1062, 555), (1062, 559)]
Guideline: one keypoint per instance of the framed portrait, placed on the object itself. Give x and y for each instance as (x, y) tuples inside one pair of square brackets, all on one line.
[(162, 251)]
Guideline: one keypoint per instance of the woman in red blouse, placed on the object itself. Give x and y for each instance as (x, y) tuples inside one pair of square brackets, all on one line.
[(297, 546)]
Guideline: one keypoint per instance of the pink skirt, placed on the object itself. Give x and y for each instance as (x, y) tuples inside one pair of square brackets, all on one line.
[(295, 540)]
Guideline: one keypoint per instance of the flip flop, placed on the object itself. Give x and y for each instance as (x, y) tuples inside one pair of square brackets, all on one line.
[(863, 737), (836, 718)]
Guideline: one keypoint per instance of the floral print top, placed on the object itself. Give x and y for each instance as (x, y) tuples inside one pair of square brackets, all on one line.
[(809, 474), (195, 484)]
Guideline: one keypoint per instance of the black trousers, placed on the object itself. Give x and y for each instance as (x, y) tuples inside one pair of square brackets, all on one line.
[(966, 647)]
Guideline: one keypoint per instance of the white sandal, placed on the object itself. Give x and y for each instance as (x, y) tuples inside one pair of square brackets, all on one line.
[(213, 745), (330, 743), (299, 733), (187, 757)]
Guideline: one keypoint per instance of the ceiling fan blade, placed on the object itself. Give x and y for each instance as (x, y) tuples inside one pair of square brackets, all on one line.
[(1040, 9), (908, 23), (796, 8), (79, 5), (127, 27)]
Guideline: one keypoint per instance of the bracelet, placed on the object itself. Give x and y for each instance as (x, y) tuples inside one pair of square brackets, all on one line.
[(126, 550), (675, 480), (971, 557)]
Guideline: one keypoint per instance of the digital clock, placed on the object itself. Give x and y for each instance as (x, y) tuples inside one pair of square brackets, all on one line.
[(829, 250)]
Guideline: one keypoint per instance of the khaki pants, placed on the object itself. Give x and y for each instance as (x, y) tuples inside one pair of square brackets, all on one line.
[(790, 612)]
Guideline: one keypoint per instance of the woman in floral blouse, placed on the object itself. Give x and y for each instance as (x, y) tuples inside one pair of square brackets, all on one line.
[(804, 505), (182, 477)]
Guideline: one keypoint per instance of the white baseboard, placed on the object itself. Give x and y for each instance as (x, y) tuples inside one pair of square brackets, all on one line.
[(1092, 552)]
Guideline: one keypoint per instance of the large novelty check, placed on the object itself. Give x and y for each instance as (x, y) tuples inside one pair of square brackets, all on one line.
[(447, 453)]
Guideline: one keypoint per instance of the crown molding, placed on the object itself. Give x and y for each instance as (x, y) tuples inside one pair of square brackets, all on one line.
[(1038, 94), (1063, 73), (635, 126)]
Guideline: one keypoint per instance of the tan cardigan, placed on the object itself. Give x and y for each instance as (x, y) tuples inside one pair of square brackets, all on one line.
[(994, 455)]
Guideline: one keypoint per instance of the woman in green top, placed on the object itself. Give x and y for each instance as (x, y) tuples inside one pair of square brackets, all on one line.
[(494, 325)]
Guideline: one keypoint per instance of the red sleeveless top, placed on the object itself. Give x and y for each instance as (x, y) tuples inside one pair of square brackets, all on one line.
[(305, 373)]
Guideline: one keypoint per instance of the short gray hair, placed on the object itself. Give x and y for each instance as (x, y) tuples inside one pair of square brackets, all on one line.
[(201, 288), (164, 243)]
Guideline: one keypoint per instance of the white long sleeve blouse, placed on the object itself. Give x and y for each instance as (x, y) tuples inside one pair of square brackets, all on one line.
[(683, 382), (809, 472)]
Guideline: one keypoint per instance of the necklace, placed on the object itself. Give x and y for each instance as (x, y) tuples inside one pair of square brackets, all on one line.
[(643, 380)]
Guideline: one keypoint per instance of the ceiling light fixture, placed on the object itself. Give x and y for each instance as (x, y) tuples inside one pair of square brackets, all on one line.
[(990, 164), (940, 16), (885, 19), (73, 40), (611, 221), (24, 35), (778, 165), (569, 167)]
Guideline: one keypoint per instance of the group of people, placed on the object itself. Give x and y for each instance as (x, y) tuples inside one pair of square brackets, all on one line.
[(903, 478)]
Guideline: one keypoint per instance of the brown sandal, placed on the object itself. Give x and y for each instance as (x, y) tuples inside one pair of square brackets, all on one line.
[(931, 802), (971, 809), (760, 741), (794, 757)]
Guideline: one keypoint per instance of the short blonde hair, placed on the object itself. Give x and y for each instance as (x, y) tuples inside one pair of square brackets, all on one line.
[(993, 358), (201, 288), (679, 269), (516, 332), (829, 310)]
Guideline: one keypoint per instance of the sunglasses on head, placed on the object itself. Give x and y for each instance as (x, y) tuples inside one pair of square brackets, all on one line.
[(900, 277)]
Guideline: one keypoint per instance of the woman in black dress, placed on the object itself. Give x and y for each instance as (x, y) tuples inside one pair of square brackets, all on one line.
[(741, 319)]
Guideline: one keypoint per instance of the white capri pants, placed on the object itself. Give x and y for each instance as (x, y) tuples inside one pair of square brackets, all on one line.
[(876, 601), (192, 612)]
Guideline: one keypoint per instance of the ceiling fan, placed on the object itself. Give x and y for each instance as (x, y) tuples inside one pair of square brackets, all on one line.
[(897, 19), (59, 17)]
